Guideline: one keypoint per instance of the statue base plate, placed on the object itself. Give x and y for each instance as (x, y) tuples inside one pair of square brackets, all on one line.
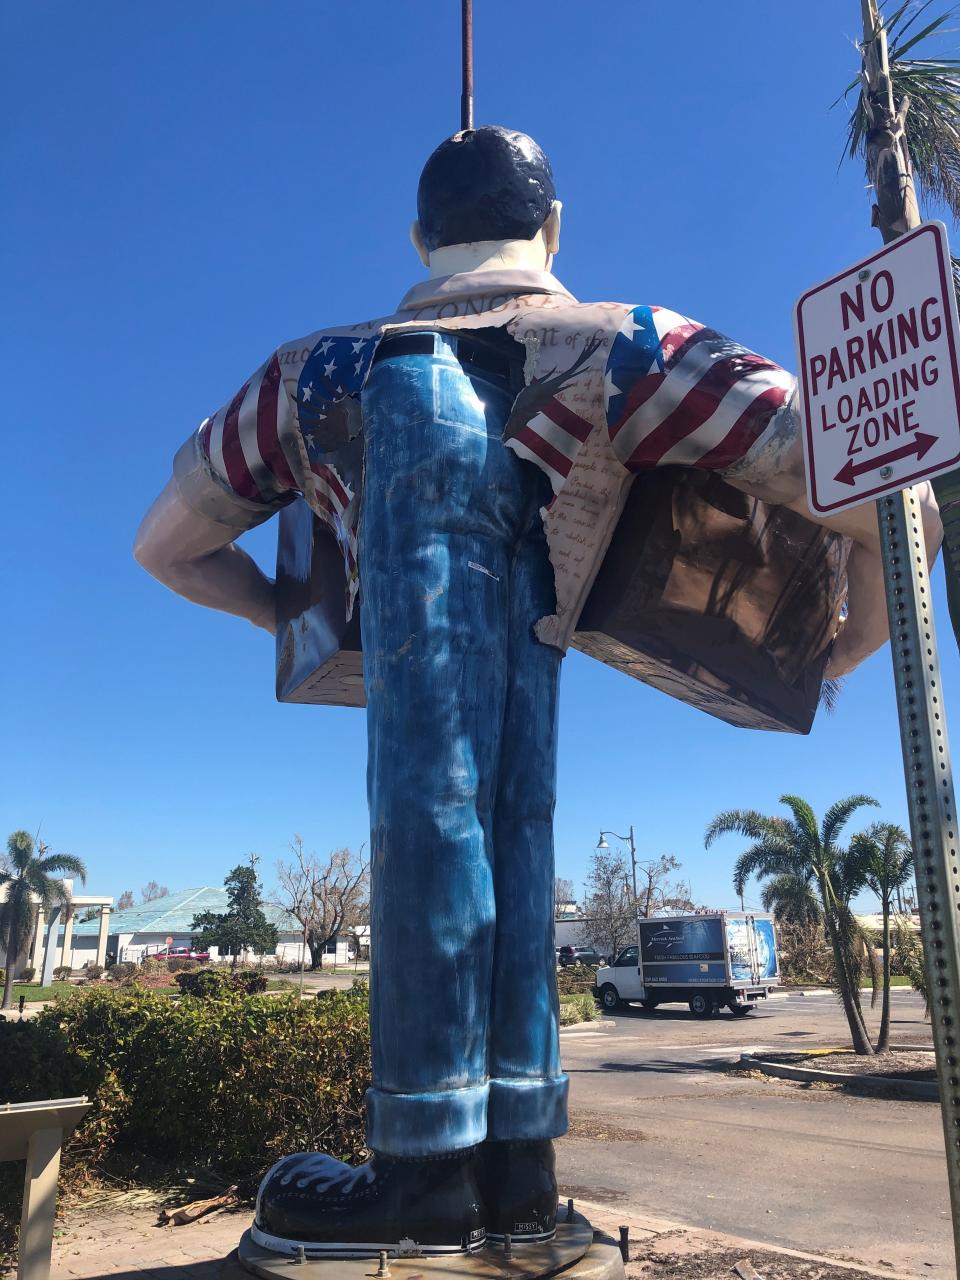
[(573, 1254)]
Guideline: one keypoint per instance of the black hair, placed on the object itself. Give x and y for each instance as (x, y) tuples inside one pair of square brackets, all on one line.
[(489, 183)]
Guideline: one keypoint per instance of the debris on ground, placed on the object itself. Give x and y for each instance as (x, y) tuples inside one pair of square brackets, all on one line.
[(598, 1128), (728, 1264), (746, 1270), (188, 1213), (900, 1064)]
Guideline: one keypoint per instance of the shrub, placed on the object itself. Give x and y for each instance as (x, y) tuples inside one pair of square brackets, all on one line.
[(181, 964), (576, 978), (578, 1008), (249, 981), (122, 970), (92, 971), (232, 1083), (62, 972), (28, 974), (153, 980), (203, 984), (211, 984)]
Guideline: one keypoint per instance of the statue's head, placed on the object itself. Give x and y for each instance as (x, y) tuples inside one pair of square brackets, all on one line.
[(486, 184)]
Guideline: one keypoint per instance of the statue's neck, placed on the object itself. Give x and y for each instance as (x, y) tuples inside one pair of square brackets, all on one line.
[(491, 255)]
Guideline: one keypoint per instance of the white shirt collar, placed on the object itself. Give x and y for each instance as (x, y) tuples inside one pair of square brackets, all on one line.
[(480, 284)]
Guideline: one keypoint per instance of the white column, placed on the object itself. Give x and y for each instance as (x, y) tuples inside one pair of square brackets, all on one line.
[(39, 1203), (102, 936), (66, 954), (36, 957)]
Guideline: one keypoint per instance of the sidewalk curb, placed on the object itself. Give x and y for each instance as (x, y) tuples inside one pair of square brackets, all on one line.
[(925, 1090), (601, 1215)]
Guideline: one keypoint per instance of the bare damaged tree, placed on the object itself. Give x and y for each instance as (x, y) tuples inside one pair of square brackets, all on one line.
[(563, 892), (326, 897), (657, 894), (610, 921), (151, 891)]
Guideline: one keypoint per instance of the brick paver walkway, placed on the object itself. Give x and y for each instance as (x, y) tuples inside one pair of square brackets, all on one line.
[(132, 1245)]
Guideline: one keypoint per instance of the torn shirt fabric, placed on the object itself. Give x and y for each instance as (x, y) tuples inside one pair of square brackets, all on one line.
[(610, 390)]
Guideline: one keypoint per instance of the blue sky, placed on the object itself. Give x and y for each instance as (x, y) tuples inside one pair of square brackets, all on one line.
[(186, 186)]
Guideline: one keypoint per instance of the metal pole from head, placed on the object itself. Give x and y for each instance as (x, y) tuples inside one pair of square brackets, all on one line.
[(466, 49)]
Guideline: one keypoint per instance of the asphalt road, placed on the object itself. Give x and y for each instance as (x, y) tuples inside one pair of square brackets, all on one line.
[(659, 1124)]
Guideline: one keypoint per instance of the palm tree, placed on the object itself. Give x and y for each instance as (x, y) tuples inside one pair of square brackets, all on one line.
[(906, 127), (883, 856), (27, 877), (808, 870)]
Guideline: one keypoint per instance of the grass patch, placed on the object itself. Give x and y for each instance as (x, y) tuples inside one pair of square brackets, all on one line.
[(34, 991), (578, 1008)]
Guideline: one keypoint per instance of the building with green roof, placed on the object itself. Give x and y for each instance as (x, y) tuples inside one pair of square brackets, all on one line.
[(166, 922)]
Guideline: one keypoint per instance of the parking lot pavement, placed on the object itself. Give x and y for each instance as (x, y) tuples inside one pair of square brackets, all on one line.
[(659, 1122)]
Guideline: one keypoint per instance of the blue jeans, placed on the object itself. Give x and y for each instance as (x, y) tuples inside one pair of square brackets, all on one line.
[(462, 727)]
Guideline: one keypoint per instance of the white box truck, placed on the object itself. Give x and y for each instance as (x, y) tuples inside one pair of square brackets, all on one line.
[(709, 961)]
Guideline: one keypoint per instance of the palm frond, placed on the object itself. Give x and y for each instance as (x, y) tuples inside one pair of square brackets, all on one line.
[(740, 822), (830, 692), (932, 124), (16, 920), (838, 815), (19, 849), (884, 857), (792, 897), (51, 892), (766, 858), (63, 863), (804, 818)]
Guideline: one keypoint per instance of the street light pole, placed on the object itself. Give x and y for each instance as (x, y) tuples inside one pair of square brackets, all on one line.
[(628, 839)]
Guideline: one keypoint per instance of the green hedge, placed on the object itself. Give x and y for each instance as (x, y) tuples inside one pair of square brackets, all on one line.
[(229, 1085)]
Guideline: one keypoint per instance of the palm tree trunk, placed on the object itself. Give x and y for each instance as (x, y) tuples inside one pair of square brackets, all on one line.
[(7, 1001), (883, 1039), (891, 172), (847, 986)]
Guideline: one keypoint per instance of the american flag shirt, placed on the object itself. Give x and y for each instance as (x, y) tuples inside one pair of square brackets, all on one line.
[(611, 389)]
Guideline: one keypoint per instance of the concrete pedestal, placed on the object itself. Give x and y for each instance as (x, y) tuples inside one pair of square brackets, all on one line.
[(576, 1253)]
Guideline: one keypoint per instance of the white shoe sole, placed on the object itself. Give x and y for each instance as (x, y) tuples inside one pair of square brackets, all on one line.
[(543, 1238), (345, 1249)]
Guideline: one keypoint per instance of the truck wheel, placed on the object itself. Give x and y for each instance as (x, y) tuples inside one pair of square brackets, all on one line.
[(702, 1005), (649, 1005), (610, 997)]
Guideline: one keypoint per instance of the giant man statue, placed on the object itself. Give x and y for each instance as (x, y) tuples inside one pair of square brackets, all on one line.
[(470, 416)]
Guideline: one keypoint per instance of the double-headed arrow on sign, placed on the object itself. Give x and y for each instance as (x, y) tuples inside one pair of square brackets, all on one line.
[(918, 446)]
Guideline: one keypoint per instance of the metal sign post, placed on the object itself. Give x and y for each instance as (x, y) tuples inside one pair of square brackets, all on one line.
[(879, 354), (930, 797)]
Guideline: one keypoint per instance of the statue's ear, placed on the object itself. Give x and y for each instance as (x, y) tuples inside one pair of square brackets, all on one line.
[(551, 229), (416, 239)]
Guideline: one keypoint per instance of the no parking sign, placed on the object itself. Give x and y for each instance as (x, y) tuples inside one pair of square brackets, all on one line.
[(879, 373)]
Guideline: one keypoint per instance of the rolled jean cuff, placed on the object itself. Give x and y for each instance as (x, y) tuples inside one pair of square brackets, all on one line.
[(527, 1109), (426, 1124)]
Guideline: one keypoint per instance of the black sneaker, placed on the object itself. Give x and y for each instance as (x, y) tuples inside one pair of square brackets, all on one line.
[(405, 1206), (518, 1183)]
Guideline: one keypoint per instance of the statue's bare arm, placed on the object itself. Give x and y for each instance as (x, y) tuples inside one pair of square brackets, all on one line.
[(194, 554)]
